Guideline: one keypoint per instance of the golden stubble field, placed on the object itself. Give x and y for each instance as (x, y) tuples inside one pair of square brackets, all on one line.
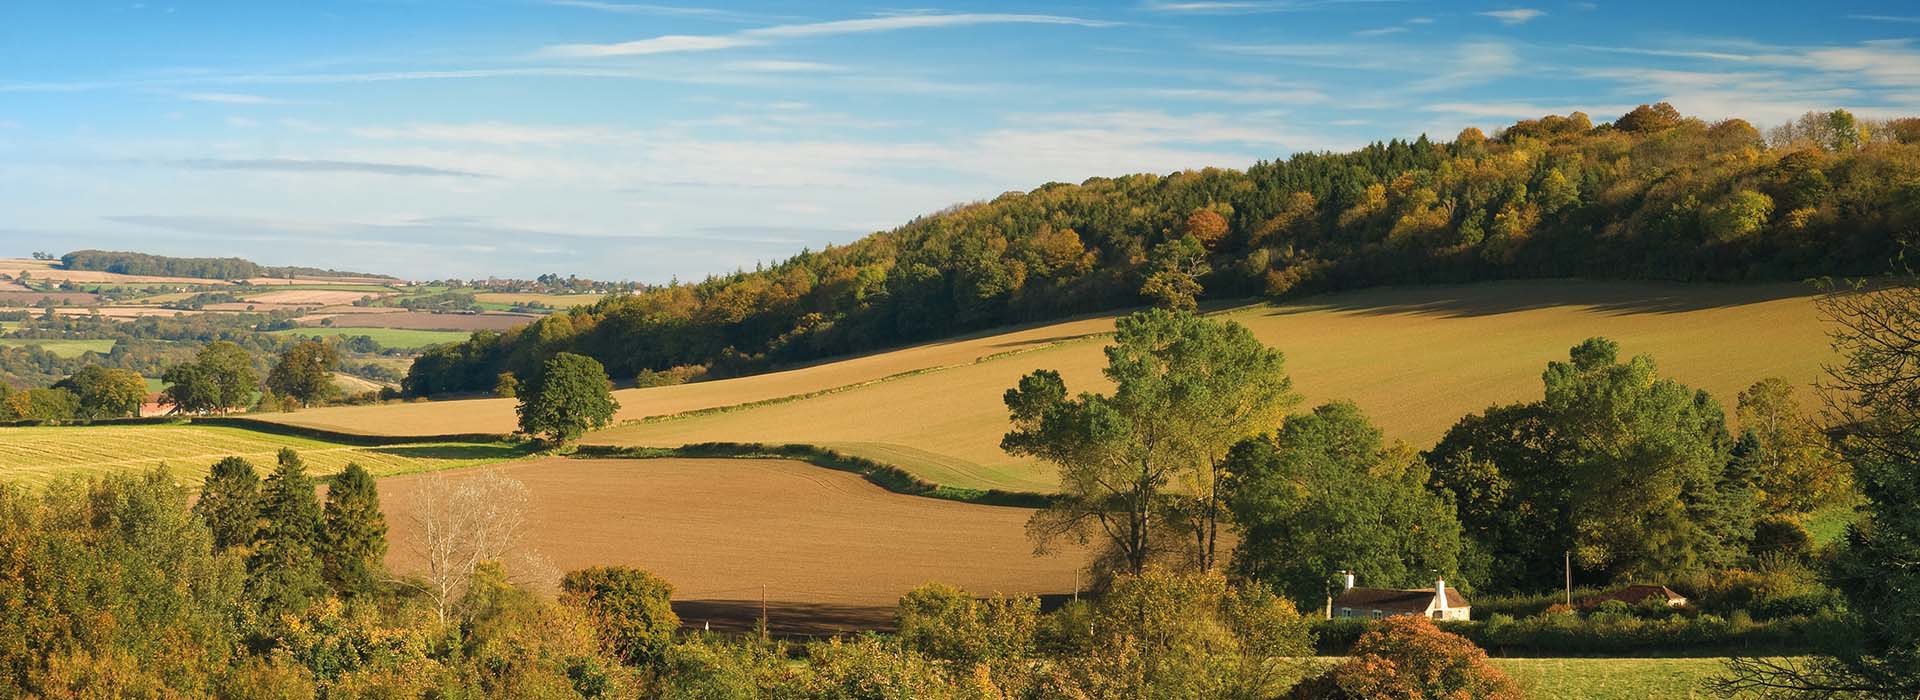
[(497, 416), (831, 550), (36, 456), (1415, 358)]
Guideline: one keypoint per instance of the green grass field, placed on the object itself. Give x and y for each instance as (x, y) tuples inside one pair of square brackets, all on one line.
[(1612, 679), (38, 455), (398, 338), (64, 348)]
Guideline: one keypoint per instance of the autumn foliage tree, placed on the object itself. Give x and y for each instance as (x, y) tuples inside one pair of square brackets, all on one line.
[(1406, 657)]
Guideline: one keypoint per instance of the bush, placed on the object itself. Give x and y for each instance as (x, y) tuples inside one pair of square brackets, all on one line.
[(1408, 657), (948, 624), (630, 607)]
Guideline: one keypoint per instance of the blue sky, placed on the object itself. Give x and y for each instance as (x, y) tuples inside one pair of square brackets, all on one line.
[(649, 141)]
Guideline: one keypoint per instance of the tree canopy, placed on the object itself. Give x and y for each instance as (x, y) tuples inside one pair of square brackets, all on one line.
[(304, 372), (569, 396), (1653, 195), (1326, 493), (1141, 468)]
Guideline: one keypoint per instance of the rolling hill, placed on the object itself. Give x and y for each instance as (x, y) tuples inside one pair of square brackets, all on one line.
[(1416, 358)]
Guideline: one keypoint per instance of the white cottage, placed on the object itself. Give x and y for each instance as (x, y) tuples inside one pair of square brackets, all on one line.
[(1438, 602)]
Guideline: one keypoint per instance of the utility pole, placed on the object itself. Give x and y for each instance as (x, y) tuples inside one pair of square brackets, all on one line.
[(1568, 563), (763, 612)]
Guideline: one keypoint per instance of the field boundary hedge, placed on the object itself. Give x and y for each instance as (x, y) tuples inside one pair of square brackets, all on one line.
[(880, 474), (270, 427), (1567, 634)]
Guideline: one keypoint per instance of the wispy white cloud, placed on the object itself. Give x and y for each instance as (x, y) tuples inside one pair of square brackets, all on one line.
[(762, 35), (708, 13), (1474, 63), (1513, 16), (1525, 110), (1902, 19), (241, 122), (230, 98), (294, 165), (498, 133), (1244, 7), (1381, 31), (1252, 96), (776, 66)]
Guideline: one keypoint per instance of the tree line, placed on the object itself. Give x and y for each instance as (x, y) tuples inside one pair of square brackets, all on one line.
[(1651, 195), (144, 264), (261, 589), (1616, 473)]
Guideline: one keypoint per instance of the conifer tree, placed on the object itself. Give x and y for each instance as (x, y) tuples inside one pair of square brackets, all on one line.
[(354, 538), (284, 572), (230, 503)]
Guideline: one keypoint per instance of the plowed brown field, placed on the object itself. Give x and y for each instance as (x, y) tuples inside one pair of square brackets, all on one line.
[(832, 550)]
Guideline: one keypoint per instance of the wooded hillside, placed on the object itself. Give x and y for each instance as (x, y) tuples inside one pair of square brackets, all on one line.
[(1651, 195)]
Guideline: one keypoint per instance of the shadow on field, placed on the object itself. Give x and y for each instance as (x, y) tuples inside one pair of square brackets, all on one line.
[(794, 619), (784, 618), (1612, 298), (460, 452)]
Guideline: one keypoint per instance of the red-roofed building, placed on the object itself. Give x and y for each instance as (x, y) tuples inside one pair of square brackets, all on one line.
[(1438, 602)]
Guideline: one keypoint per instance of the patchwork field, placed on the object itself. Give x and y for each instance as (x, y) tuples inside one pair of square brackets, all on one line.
[(63, 348), (832, 550), (496, 415), (37, 455), (400, 338), (558, 301), (422, 320), (1415, 358), (316, 297)]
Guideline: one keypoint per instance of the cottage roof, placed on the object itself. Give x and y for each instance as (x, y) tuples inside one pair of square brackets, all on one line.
[(1632, 595), (1397, 600)]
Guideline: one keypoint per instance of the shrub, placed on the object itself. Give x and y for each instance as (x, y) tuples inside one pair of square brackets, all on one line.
[(946, 623), (1408, 658), (631, 608)]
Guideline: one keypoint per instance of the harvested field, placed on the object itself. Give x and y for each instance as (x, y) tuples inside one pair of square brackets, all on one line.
[(30, 298), (312, 297), (37, 455), (1415, 358), (350, 384), (558, 301), (421, 320), (42, 270), (64, 348), (496, 415), (833, 551), (387, 337)]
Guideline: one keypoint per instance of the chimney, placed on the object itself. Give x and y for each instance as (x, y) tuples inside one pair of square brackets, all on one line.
[(1440, 593), (1349, 579)]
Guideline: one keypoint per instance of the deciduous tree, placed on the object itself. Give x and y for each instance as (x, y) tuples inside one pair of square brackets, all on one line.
[(1141, 468), (105, 393), (570, 396), (219, 379), (304, 372), (1326, 493)]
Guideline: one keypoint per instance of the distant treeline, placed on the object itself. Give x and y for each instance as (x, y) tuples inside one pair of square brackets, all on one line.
[(126, 263), (1652, 195)]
